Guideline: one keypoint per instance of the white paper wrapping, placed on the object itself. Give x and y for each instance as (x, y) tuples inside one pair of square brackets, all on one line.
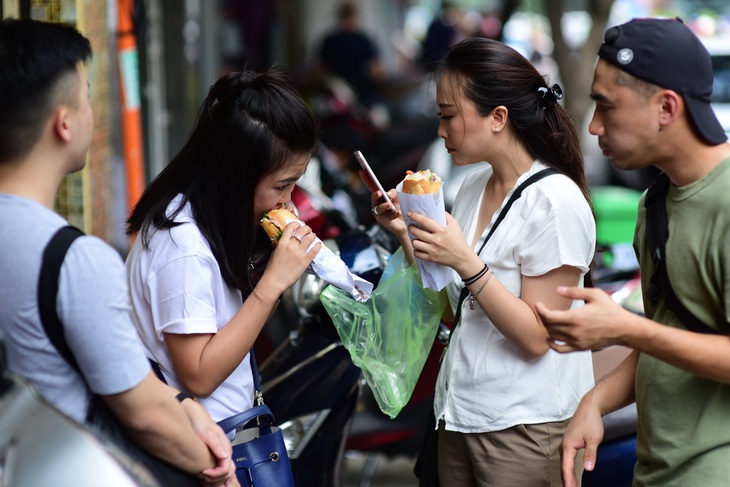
[(328, 266), (433, 276)]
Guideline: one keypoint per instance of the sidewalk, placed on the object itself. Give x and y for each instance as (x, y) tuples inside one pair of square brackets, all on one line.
[(389, 472)]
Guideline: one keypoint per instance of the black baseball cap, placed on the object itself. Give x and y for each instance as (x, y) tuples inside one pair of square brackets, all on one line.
[(665, 52)]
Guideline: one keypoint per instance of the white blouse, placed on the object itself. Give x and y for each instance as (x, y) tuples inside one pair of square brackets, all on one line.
[(484, 383)]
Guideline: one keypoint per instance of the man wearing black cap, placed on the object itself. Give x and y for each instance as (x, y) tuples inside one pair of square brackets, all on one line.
[(652, 87)]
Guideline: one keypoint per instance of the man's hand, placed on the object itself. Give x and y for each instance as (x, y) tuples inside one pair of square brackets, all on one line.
[(224, 471), (584, 432), (598, 324)]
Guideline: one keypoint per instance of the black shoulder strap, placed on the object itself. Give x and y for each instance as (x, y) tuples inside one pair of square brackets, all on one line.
[(657, 233), (53, 257), (515, 195)]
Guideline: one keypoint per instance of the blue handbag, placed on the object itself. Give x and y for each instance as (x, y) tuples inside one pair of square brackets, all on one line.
[(259, 451)]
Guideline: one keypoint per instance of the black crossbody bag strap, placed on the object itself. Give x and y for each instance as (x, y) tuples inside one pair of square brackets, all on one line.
[(53, 257), (657, 233), (515, 195)]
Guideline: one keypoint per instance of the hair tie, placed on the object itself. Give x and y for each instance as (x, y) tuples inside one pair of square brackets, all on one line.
[(554, 93)]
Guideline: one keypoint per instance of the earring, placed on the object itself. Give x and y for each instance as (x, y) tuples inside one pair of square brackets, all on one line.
[(495, 130)]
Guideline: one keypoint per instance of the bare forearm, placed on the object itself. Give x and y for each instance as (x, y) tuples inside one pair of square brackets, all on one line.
[(170, 436), (513, 317), (226, 349), (510, 314), (616, 389), (158, 423), (705, 355), (406, 244)]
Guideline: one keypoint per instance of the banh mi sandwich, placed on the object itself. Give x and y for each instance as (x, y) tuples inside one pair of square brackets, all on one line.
[(421, 182), (274, 221)]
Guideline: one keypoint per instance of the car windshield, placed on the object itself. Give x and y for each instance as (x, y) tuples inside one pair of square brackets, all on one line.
[(721, 85)]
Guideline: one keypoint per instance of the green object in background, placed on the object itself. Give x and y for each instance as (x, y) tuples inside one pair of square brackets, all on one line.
[(616, 209)]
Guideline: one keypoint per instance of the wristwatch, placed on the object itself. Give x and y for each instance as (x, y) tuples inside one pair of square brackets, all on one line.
[(184, 395)]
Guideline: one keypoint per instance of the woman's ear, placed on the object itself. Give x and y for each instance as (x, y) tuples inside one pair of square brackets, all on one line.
[(499, 118)]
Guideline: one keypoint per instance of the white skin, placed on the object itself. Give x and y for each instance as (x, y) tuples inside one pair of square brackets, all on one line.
[(182, 434), (471, 137), (203, 361), (634, 132)]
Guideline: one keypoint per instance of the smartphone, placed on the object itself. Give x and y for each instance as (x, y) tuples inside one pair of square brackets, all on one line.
[(366, 167)]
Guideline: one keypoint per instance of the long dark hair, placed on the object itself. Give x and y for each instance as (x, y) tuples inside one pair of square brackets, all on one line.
[(492, 74), (250, 126)]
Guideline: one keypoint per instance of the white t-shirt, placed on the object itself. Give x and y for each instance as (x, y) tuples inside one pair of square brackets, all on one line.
[(176, 287), (484, 384), (92, 303)]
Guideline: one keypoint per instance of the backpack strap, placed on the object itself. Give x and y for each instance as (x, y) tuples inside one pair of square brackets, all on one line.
[(657, 233), (53, 257)]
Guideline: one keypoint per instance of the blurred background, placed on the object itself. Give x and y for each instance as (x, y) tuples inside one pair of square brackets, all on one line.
[(155, 59), (364, 67)]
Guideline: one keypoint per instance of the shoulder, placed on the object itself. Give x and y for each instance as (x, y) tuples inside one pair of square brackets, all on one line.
[(181, 240), (559, 192), (91, 256)]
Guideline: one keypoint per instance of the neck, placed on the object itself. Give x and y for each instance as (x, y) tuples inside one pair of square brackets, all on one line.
[(690, 165), (510, 167), (31, 178)]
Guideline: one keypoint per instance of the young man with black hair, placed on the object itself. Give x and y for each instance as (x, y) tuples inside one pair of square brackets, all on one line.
[(46, 124), (652, 87)]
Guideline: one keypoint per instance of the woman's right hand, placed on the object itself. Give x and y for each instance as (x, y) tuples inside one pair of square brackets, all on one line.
[(384, 214), (290, 258)]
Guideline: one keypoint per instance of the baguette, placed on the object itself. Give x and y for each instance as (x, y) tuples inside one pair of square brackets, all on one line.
[(274, 221), (421, 182)]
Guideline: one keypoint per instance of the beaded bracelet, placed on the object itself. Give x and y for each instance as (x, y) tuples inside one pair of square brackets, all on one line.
[(477, 276)]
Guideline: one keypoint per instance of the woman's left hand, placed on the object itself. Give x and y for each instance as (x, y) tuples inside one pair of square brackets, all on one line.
[(433, 243)]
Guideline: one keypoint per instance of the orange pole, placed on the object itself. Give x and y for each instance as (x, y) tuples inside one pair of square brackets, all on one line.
[(128, 60)]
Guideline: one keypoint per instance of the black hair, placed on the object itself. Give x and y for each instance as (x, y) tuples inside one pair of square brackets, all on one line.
[(35, 59), (492, 74), (249, 126)]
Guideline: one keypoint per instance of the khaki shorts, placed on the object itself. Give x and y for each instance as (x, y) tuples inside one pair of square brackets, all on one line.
[(522, 456)]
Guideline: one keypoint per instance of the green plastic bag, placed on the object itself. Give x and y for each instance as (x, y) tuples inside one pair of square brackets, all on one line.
[(389, 336)]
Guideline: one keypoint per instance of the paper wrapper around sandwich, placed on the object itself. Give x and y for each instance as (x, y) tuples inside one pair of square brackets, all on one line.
[(328, 266), (433, 276)]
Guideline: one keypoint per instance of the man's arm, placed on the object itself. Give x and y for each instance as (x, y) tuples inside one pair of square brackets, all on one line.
[(158, 423), (585, 431), (214, 438), (602, 322)]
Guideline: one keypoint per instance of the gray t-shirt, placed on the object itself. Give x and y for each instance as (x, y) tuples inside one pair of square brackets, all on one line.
[(93, 304)]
